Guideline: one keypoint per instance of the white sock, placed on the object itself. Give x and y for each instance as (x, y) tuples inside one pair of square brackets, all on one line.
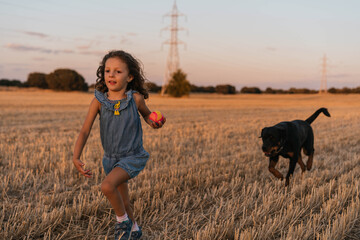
[(135, 227), (122, 218)]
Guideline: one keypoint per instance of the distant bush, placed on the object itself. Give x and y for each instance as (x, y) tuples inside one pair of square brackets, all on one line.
[(152, 87), (269, 91), (7, 82), (178, 85), (356, 90), (225, 89), (250, 90), (66, 80), (202, 89), (301, 90), (344, 90), (37, 79), (274, 91)]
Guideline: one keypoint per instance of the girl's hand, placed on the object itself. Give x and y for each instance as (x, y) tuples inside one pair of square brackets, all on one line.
[(156, 125), (79, 166)]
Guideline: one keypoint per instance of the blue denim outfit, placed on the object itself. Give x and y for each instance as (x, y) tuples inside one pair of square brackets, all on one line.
[(121, 135)]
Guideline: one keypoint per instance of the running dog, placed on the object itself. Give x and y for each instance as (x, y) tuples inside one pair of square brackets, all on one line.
[(286, 139)]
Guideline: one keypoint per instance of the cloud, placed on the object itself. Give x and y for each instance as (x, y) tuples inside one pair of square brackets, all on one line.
[(340, 75), (36, 34), (40, 59), (132, 34), (96, 53), (20, 47), (125, 40), (272, 49), (81, 50), (88, 44), (64, 51), (83, 47)]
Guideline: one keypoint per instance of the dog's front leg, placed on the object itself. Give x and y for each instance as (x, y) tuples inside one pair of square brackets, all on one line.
[(293, 161), (272, 163), (301, 163)]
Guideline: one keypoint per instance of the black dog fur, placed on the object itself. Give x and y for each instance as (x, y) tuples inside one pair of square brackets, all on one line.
[(286, 139)]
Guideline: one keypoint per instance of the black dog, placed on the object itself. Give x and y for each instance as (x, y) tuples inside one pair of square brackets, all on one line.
[(287, 139)]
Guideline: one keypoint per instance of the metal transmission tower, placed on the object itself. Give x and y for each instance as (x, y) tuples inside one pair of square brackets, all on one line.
[(323, 86), (172, 63)]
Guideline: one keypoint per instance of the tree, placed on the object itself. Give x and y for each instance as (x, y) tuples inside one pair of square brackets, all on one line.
[(37, 79), (356, 90), (152, 87), (269, 90), (250, 90), (202, 89), (225, 89), (178, 85), (66, 80), (7, 82)]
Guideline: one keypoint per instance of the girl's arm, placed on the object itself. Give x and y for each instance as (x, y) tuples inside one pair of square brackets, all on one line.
[(84, 133), (145, 112)]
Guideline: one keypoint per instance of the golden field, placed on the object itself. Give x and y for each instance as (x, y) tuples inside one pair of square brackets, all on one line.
[(206, 179)]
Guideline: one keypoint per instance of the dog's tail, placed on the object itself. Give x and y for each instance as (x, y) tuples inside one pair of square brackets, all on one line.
[(316, 114)]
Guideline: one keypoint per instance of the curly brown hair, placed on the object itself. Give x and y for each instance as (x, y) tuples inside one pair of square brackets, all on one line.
[(135, 71)]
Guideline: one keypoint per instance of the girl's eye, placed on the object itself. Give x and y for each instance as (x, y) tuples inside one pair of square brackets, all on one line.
[(118, 72), (107, 71)]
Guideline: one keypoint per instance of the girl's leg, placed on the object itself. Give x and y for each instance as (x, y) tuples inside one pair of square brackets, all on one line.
[(109, 187), (124, 192)]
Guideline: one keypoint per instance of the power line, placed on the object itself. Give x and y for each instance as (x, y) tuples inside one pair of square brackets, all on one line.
[(323, 86), (173, 62)]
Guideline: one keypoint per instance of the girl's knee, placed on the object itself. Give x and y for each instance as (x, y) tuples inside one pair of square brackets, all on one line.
[(107, 188)]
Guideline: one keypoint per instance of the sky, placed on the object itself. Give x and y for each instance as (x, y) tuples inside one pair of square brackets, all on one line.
[(260, 43)]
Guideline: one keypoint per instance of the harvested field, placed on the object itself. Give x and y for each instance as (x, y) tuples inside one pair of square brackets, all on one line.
[(206, 179)]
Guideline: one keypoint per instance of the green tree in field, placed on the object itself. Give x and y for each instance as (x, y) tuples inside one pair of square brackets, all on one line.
[(37, 79), (66, 80), (178, 85)]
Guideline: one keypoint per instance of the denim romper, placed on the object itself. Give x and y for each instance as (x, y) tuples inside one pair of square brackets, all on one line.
[(121, 135)]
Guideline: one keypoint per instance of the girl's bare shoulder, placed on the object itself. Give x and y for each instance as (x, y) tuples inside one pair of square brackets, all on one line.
[(95, 104), (138, 97)]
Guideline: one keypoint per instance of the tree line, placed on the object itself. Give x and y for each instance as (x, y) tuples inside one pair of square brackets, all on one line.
[(69, 80), (230, 89), (256, 90), (60, 79)]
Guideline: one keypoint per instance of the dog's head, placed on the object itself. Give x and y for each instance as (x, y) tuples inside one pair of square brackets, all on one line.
[(272, 138)]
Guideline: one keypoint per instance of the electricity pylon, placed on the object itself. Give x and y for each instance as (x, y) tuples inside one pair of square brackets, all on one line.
[(173, 62), (323, 86)]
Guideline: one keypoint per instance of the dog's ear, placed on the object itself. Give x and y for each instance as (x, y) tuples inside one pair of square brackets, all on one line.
[(262, 132), (283, 133)]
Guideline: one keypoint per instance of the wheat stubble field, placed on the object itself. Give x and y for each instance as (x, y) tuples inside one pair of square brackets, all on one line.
[(206, 179)]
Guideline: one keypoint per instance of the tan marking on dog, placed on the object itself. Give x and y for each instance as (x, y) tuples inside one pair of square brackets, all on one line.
[(301, 163), (290, 154)]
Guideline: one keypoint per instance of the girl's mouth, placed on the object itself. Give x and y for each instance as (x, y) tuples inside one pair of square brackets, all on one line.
[(112, 82)]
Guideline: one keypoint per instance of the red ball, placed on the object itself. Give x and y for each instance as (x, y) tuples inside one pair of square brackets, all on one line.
[(156, 116)]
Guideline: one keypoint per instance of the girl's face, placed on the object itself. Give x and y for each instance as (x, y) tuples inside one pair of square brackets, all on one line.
[(116, 74)]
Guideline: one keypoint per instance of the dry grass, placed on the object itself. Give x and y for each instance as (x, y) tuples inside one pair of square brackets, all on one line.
[(206, 179)]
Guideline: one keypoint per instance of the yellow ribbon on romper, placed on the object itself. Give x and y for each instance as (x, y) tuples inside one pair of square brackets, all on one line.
[(117, 106)]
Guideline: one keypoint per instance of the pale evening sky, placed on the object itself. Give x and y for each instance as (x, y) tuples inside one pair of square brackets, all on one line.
[(261, 43)]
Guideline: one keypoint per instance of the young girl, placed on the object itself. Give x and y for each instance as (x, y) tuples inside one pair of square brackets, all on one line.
[(119, 95)]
